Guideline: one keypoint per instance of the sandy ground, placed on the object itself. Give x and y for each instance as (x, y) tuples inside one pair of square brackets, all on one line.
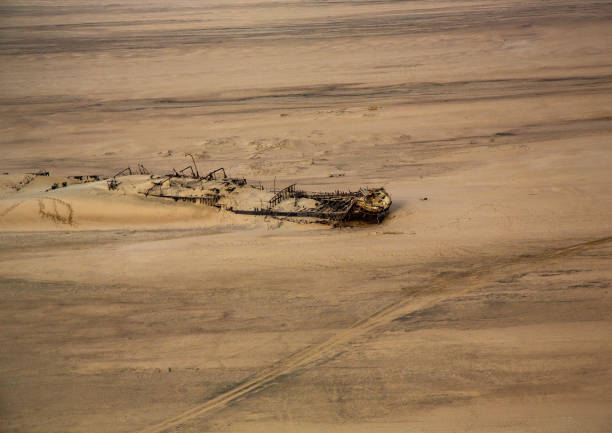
[(485, 308)]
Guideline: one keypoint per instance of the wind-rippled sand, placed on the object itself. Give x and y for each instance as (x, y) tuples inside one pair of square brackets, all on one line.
[(482, 303)]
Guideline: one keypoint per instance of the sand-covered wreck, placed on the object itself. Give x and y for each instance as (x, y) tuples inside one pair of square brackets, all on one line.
[(236, 195)]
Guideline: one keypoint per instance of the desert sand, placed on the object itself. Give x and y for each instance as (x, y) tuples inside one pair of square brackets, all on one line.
[(482, 303)]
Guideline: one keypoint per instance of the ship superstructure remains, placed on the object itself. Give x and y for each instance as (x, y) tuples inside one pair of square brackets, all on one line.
[(236, 195)]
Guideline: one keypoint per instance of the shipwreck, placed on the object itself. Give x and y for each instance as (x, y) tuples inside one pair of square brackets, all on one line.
[(236, 195)]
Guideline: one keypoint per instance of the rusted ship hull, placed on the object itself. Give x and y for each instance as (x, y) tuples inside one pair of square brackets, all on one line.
[(218, 190)]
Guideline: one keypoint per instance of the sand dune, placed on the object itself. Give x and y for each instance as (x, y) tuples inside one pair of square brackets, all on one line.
[(91, 206)]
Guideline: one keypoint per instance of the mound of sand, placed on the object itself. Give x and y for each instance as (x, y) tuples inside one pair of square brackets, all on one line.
[(29, 205)]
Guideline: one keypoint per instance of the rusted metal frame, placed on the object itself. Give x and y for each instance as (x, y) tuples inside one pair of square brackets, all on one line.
[(180, 173), (119, 173), (282, 195), (210, 200), (160, 183), (211, 175), (322, 195), (197, 173), (39, 173), (271, 212), (240, 181), (112, 183)]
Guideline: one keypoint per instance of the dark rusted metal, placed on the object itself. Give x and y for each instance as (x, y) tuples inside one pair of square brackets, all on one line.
[(113, 184), (39, 173), (212, 174), (194, 164), (337, 207), (208, 199), (283, 194), (122, 172), (159, 183)]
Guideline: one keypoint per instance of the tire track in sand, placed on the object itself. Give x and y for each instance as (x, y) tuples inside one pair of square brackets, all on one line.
[(440, 290)]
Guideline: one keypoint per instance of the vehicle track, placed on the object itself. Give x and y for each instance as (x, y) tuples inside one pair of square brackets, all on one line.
[(440, 290)]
